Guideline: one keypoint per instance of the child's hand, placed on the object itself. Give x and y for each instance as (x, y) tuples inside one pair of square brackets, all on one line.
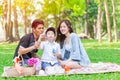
[(42, 36), (53, 51), (36, 45), (56, 53)]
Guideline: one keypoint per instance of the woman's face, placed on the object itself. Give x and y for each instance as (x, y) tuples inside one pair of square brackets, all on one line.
[(64, 28), (38, 30)]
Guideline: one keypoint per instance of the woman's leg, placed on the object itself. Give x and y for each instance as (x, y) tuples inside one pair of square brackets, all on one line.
[(70, 63)]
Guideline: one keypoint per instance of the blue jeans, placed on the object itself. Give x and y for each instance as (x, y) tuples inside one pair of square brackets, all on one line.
[(46, 64), (25, 62)]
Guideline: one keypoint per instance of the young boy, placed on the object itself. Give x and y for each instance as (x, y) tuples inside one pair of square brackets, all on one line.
[(51, 51)]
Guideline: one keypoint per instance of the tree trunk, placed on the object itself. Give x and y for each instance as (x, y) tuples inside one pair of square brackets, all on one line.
[(5, 19), (17, 37), (114, 21), (9, 25), (80, 22), (108, 21), (95, 28), (24, 18), (99, 23), (86, 19)]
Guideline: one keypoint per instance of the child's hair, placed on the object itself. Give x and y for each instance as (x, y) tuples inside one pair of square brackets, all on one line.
[(50, 29)]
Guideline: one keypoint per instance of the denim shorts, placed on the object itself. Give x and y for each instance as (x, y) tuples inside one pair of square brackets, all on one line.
[(46, 64)]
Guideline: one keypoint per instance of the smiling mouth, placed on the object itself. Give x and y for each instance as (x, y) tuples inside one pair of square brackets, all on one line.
[(63, 31)]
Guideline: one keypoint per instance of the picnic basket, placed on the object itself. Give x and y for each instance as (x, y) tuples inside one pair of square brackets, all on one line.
[(10, 71)]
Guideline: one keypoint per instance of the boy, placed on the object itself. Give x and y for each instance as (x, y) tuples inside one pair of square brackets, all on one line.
[(51, 51)]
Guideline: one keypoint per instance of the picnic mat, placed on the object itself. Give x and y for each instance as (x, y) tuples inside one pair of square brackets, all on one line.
[(93, 68)]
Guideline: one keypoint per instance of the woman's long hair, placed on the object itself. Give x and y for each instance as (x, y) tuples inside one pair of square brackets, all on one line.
[(61, 37)]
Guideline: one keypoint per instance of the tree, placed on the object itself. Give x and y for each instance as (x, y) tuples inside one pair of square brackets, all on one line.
[(108, 21), (114, 21), (9, 24), (99, 22), (92, 14), (23, 10), (86, 19), (5, 18), (25, 7), (17, 37)]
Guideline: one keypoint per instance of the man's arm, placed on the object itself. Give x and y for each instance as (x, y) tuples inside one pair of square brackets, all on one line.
[(23, 50)]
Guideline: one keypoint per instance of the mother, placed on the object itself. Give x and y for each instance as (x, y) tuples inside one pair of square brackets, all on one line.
[(73, 52)]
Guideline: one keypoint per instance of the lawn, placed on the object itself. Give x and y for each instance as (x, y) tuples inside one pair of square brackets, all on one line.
[(105, 52)]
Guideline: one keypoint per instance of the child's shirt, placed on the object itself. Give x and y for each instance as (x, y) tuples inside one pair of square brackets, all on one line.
[(49, 49)]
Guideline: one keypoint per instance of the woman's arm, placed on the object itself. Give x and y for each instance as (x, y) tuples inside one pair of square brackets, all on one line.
[(75, 50)]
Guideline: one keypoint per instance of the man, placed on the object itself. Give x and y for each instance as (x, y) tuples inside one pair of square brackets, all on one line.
[(28, 44)]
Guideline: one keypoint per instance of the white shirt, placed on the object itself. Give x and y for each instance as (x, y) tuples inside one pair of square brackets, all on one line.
[(48, 53)]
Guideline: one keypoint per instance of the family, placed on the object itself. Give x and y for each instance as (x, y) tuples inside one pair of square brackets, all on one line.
[(61, 48)]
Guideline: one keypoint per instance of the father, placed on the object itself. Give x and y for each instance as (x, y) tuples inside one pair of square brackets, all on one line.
[(28, 44)]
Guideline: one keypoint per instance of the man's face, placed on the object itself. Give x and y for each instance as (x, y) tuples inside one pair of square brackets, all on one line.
[(38, 30)]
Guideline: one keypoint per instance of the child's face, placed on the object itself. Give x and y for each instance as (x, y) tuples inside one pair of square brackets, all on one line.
[(50, 36)]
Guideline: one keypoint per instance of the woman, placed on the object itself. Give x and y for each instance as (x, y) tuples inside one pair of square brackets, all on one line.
[(73, 52), (28, 44)]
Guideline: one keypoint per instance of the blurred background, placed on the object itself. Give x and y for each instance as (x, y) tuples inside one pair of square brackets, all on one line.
[(91, 19)]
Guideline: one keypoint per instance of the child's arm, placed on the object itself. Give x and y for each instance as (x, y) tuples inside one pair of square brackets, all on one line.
[(40, 42), (39, 39)]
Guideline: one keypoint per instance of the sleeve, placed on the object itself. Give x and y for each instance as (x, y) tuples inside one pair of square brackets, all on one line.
[(75, 51), (79, 52), (24, 42)]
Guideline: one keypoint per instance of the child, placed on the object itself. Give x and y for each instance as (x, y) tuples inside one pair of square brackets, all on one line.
[(51, 51)]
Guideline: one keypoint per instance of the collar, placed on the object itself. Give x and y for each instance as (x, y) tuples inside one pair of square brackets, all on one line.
[(50, 42)]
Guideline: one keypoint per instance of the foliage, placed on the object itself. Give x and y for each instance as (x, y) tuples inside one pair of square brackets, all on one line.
[(28, 4), (105, 52), (117, 9), (92, 11), (1, 9), (52, 11)]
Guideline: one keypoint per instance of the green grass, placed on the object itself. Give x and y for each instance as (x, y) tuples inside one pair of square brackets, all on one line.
[(105, 52)]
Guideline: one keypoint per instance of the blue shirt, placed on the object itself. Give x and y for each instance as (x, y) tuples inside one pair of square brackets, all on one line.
[(77, 51)]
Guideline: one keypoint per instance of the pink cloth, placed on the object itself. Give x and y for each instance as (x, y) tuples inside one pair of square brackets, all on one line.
[(32, 61)]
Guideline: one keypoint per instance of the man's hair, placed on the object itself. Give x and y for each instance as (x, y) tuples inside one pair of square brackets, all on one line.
[(36, 22)]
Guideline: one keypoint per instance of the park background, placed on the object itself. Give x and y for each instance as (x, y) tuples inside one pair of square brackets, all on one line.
[(97, 21)]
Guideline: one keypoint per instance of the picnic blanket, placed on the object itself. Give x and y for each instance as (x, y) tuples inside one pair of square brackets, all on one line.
[(93, 68)]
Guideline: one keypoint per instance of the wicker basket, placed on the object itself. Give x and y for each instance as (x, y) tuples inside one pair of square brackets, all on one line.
[(10, 71)]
